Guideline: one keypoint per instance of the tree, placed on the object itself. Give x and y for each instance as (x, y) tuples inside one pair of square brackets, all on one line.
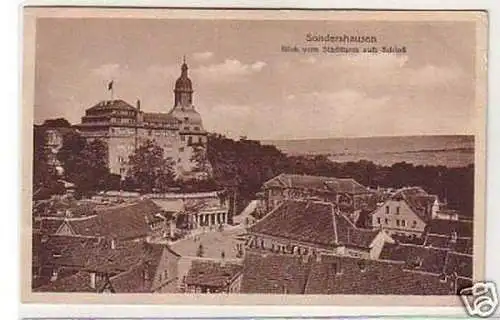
[(45, 179), (57, 123), (149, 169), (200, 159), (84, 163)]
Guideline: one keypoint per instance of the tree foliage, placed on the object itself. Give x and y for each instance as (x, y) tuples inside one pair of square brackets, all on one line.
[(45, 180), (149, 169), (245, 165), (84, 163)]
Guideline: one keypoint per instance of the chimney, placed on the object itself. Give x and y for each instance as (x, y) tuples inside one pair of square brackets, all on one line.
[(92, 280)]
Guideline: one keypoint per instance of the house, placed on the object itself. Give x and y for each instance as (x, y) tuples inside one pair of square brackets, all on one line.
[(129, 221), (210, 276), (406, 212), (131, 267), (267, 273), (300, 227), (347, 193), (456, 235), (441, 262)]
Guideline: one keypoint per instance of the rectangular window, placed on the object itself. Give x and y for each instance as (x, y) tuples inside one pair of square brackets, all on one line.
[(397, 222), (378, 220), (386, 221), (414, 224), (397, 210), (386, 209), (183, 138), (403, 223), (181, 149)]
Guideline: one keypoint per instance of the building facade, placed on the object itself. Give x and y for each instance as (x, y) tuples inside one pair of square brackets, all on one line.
[(124, 128), (407, 212)]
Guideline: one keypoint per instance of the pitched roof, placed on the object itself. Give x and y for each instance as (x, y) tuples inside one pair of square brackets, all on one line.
[(124, 256), (159, 117), (319, 183), (211, 273), (415, 257), (418, 200), (272, 273), (278, 273), (446, 227), (121, 222), (345, 275), (78, 282), (313, 222), (66, 251), (462, 264), (48, 226)]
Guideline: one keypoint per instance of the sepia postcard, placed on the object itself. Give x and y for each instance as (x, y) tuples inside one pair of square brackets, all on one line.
[(242, 157)]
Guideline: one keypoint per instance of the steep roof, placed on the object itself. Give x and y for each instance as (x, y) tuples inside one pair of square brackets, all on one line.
[(313, 222), (418, 200), (319, 183), (278, 273), (272, 273), (78, 282), (121, 222), (211, 273), (415, 257), (124, 256), (433, 260), (66, 251)]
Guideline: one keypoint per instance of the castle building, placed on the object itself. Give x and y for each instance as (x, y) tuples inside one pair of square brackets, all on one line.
[(124, 128)]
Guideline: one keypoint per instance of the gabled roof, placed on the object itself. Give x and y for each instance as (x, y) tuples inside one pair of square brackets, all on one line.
[(418, 200), (66, 251), (428, 259), (211, 273), (272, 273), (127, 221), (278, 273), (124, 256), (78, 282), (313, 222), (319, 183), (446, 227)]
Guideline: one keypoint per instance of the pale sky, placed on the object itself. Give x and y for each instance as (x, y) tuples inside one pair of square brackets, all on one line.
[(245, 85)]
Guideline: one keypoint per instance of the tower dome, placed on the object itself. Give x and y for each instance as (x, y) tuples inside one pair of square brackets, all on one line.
[(183, 90)]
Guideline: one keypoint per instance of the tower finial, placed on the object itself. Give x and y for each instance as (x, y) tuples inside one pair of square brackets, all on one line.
[(184, 59)]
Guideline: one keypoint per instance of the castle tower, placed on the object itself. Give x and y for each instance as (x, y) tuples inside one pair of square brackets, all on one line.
[(183, 91)]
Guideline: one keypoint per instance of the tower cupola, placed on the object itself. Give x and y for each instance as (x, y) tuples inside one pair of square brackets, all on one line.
[(183, 92)]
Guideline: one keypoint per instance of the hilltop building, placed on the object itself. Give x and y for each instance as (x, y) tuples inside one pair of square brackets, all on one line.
[(124, 128)]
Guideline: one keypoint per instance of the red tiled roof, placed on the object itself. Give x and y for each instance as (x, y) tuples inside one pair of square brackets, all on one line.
[(211, 273), (312, 222), (320, 183)]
